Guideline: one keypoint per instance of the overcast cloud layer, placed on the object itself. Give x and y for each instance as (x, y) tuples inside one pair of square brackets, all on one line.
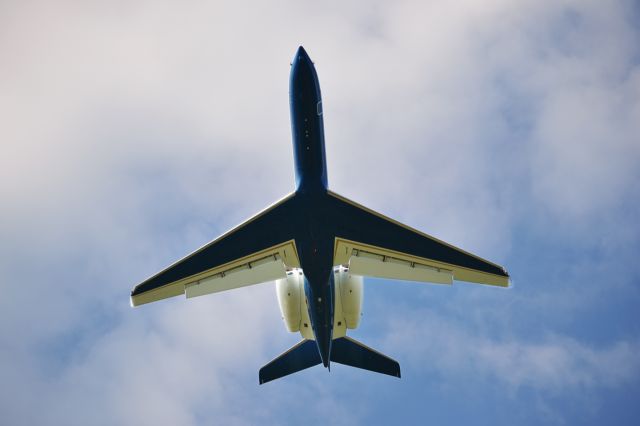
[(134, 132)]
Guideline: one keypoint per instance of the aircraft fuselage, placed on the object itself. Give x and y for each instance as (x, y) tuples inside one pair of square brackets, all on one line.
[(314, 243)]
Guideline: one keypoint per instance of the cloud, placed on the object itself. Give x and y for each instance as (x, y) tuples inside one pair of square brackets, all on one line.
[(556, 363)]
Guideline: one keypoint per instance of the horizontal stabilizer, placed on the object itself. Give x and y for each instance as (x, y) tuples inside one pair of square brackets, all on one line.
[(303, 355), (350, 352)]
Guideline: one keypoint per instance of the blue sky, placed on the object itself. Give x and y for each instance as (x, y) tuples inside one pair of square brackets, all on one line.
[(134, 132)]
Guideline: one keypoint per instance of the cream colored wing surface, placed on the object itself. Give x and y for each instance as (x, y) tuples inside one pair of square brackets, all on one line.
[(256, 251), (375, 245)]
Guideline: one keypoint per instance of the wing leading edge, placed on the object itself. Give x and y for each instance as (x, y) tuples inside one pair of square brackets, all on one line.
[(375, 245), (256, 251)]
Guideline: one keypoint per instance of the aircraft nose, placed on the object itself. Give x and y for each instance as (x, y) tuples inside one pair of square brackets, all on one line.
[(301, 55), (301, 52)]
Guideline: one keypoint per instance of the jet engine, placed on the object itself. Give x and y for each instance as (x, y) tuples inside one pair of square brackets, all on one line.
[(349, 294)]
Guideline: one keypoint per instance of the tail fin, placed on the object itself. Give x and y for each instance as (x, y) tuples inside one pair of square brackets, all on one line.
[(350, 352), (303, 355)]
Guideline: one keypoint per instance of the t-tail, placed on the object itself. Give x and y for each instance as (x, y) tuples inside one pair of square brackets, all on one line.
[(344, 350)]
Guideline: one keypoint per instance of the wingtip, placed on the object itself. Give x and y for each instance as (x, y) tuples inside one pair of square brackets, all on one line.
[(509, 280), (134, 300)]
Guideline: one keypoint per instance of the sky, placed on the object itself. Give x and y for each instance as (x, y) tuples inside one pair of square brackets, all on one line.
[(133, 132)]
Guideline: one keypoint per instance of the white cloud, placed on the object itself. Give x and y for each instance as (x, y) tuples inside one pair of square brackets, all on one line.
[(557, 363)]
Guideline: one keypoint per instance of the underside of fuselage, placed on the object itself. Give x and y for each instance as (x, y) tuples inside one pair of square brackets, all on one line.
[(315, 242)]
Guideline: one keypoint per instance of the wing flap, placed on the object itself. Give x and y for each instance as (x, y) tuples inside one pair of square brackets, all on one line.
[(266, 265), (371, 264), (255, 251), (382, 247), (269, 268)]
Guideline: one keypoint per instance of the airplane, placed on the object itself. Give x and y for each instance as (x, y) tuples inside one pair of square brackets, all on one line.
[(317, 246)]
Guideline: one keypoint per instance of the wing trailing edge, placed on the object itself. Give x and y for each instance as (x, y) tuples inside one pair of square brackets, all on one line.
[(381, 247), (256, 251)]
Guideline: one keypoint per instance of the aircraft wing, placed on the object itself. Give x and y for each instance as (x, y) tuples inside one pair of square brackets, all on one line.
[(374, 245), (256, 251)]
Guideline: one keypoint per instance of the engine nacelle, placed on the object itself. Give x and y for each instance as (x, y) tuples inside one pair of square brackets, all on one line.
[(293, 303), (349, 295), (347, 303)]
